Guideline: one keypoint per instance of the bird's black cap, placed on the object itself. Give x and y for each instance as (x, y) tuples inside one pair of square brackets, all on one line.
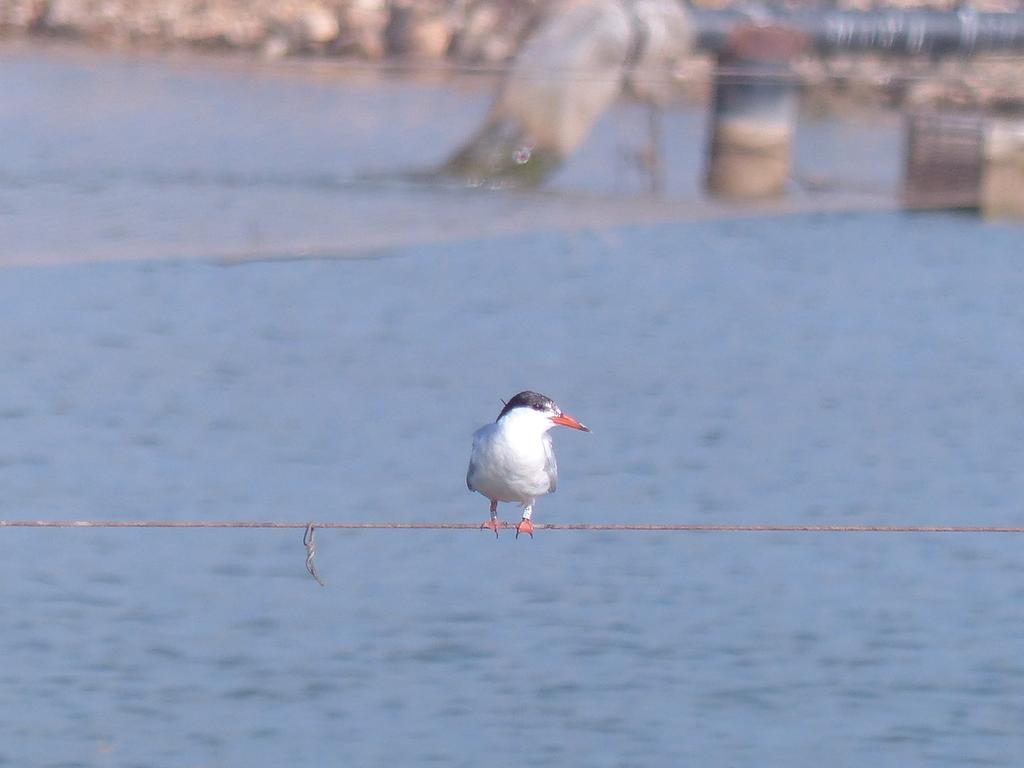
[(529, 399)]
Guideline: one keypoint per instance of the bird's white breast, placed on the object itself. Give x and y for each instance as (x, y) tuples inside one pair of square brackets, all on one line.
[(510, 460)]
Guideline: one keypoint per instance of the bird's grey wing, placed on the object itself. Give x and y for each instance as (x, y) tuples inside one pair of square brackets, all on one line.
[(550, 465), (472, 464)]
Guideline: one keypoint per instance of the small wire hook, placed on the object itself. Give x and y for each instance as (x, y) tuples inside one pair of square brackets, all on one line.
[(310, 544)]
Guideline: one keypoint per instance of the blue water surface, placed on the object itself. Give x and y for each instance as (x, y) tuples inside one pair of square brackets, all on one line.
[(859, 368), (834, 369)]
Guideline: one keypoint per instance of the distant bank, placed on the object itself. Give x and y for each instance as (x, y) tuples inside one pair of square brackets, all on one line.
[(484, 33)]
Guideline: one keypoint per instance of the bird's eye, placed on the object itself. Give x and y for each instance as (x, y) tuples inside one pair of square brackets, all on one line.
[(539, 407)]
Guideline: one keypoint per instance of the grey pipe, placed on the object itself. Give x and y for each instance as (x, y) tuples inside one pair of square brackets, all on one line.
[(908, 33)]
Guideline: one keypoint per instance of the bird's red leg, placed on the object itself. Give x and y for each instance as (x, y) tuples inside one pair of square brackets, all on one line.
[(493, 524), (525, 526)]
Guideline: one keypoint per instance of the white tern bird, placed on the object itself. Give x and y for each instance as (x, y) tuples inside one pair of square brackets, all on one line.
[(513, 459)]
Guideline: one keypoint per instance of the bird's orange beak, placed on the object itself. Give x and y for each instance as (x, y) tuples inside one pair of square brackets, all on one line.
[(566, 420)]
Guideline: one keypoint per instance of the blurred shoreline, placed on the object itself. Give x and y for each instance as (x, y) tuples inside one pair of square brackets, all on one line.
[(431, 38)]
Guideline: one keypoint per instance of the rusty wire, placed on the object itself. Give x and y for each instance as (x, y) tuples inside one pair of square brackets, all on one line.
[(309, 542), (396, 525)]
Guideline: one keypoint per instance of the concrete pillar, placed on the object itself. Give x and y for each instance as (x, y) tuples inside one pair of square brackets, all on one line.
[(753, 114), (1002, 176), (965, 160)]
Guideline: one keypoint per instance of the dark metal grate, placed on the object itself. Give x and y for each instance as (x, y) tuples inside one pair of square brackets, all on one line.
[(943, 160)]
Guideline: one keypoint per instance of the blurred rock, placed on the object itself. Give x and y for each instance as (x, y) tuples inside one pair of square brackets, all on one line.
[(71, 17), (21, 14), (419, 29), (308, 29), (216, 24), (231, 24), (493, 30), (276, 46), (316, 25)]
